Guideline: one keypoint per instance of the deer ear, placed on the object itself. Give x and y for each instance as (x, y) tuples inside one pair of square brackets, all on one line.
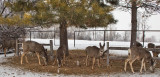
[(103, 44), (100, 44)]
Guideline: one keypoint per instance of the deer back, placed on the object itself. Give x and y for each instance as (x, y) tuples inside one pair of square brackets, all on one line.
[(92, 51), (140, 53), (138, 44), (9, 44), (32, 46)]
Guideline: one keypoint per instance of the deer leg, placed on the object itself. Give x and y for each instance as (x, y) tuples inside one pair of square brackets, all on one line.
[(142, 64), (55, 60), (154, 54), (61, 62), (22, 58), (5, 52), (44, 59), (20, 53), (93, 62), (86, 60), (24, 53), (38, 58), (131, 62), (98, 61), (26, 59), (64, 58), (125, 67)]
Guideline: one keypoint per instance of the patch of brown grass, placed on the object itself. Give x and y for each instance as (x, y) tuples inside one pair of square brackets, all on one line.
[(71, 66)]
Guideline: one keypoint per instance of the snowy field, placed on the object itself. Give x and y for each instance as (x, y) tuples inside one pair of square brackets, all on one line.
[(6, 71)]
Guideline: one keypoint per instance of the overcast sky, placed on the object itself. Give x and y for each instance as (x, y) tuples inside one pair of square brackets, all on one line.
[(124, 20)]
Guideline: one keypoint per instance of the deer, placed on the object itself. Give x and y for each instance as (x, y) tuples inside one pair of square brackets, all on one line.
[(138, 44), (151, 45), (95, 53), (8, 44), (139, 53), (34, 47), (60, 56)]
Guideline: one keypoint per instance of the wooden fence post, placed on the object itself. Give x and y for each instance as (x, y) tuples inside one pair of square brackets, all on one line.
[(107, 53), (51, 50), (17, 48), (30, 35), (104, 36), (74, 38)]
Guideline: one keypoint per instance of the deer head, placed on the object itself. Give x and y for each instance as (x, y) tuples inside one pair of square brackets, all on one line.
[(101, 49), (153, 64)]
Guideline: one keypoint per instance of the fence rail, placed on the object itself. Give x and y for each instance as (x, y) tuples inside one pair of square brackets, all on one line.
[(104, 31), (54, 35)]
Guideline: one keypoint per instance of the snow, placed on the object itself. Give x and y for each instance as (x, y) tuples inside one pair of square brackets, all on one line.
[(7, 71)]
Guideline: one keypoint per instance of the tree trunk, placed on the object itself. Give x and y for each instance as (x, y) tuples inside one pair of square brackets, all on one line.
[(63, 35), (134, 23)]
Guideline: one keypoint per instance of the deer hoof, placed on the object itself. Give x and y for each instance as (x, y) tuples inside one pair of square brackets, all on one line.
[(133, 72), (92, 68)]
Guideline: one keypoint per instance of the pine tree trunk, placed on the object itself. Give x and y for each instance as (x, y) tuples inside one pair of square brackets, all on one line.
[(63, 35), (134, 23)]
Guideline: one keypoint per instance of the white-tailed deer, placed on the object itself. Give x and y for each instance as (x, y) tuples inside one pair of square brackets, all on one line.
[(95, 53), (60, 56), (139, 53), (8, 44), (34, 47), (151, 45)]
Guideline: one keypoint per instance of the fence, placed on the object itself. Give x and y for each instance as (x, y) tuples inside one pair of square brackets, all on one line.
[(50, 31), (124, 57), (104, 33)]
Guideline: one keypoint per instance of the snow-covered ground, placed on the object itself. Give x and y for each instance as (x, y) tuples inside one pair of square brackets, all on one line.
[(7, 71)]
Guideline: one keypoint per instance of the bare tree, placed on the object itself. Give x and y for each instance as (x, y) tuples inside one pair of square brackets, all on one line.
[(150, 6), (8, 32)]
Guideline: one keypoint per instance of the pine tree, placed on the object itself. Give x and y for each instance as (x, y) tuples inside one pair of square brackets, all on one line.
[(66, 13)]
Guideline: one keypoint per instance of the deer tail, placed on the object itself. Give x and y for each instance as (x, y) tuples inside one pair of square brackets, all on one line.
[(129, 51)]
